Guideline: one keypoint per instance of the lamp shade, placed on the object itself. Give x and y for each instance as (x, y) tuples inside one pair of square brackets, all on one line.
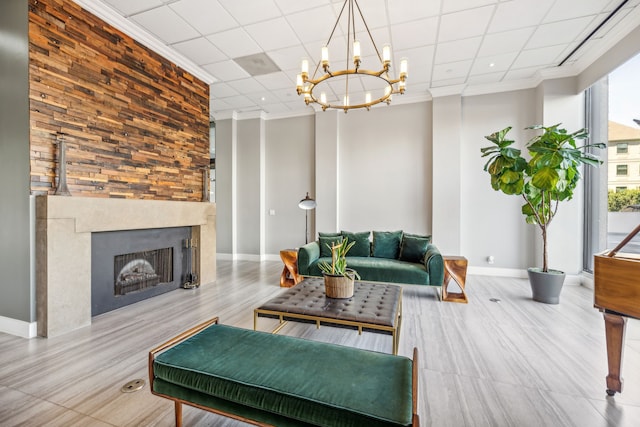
[(307, 203)]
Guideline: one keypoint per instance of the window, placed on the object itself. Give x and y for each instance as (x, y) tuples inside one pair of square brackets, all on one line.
[(621, 170), (620, 189), (622, 148)]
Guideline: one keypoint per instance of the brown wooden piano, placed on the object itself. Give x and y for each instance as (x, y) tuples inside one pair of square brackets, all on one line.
[(617, 296)]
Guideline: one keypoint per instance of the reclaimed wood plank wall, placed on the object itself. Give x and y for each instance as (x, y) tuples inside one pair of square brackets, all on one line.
[(135, 124)]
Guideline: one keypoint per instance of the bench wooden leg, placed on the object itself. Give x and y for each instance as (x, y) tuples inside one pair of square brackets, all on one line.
[(178, 413)]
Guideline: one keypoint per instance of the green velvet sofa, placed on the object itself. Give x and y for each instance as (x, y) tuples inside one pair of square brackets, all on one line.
[(277, 380), (391, 256)]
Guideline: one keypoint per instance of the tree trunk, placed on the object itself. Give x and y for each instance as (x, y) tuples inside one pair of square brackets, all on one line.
[(545, 267)]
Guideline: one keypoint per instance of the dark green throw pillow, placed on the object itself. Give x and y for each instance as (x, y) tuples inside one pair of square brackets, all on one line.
[(421, 236), (413, 248), (362, 247), (324, 241), (386, 244), (333, 234)]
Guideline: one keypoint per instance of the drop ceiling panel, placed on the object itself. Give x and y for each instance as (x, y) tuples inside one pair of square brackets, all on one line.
[(451, 70), (280, 80), (450, 6), (200, 51), (226, 71), (313, 24), (414, 34), (268, 39), (507, 41), (465, 24), (166, 25), (291, 6), (222, 90), (414, 10), (206, 16), (251, 11), (249, 85), (492, 64), (235, 43), (457, 50), (518, 14)]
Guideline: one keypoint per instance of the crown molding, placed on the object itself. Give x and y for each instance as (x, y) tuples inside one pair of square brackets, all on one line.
[(107, 14)]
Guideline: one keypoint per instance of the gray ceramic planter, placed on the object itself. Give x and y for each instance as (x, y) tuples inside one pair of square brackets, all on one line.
[(546, 287)]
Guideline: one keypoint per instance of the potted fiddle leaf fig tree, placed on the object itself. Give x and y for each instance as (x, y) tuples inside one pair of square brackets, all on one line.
[(548, 177)]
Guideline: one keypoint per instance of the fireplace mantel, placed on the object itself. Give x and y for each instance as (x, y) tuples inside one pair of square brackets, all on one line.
[(63, 247)]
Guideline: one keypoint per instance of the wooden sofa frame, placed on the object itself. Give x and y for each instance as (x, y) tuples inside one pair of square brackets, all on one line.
[(179, 402)]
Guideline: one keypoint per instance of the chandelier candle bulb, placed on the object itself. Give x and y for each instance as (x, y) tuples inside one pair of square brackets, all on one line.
[(367, 98), (323, 98), (305, 68), (386, 54), (356, 52), (325, 56), (299, 83), (403, 68)]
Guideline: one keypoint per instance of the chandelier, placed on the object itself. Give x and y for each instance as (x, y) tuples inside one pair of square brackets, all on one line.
[(362, 81)]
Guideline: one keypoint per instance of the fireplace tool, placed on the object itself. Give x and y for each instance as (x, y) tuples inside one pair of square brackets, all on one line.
[(190, 277)]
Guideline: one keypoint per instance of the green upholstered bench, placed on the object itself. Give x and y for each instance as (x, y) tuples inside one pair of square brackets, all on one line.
[(267, 379)]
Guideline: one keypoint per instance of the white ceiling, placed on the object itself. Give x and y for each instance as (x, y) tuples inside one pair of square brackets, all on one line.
[(453, 46)]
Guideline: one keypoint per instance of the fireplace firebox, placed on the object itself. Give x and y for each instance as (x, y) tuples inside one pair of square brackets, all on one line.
[(131, 265)]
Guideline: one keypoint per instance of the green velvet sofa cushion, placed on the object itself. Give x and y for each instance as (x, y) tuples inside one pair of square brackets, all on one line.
[(381, 270), (326, 242), (386, 244), (310, 382), (362, 246), (413, 248), (327, 234)]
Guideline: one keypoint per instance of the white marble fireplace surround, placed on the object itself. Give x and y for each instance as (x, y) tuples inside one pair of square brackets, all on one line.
[(63, 248)]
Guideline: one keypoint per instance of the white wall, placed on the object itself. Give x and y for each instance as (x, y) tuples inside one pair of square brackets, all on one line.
[(385, 169)]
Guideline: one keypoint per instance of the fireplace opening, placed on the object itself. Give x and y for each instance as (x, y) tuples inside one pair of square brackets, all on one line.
[(128, 266), (140, 270)]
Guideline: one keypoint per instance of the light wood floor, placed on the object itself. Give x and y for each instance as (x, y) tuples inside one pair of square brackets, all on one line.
[(508, 363)]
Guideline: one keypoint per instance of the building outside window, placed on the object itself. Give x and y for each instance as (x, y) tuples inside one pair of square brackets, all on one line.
[(621, 170), (622, 148)]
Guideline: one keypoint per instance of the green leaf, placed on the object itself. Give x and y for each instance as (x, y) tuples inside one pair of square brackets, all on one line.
[(545, 179)]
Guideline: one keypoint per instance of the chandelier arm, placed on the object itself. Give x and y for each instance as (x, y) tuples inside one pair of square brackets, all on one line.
[(375, 47)]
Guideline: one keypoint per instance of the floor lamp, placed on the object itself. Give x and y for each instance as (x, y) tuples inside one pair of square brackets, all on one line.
[(306, 204)]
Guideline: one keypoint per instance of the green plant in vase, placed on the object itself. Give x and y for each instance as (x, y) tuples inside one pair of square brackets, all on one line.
[(338, 266)]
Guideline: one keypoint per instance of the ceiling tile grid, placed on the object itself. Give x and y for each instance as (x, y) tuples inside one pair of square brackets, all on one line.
[(457, 43)]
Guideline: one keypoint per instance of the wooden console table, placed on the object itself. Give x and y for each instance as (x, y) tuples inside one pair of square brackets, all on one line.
[(289, 276), (455, 267)]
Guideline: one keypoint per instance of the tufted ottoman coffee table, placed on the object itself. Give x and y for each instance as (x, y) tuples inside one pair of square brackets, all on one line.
[(374, 307)]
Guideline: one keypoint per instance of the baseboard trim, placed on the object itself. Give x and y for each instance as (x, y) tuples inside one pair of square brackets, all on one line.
[(570, 279), (19, 328)]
